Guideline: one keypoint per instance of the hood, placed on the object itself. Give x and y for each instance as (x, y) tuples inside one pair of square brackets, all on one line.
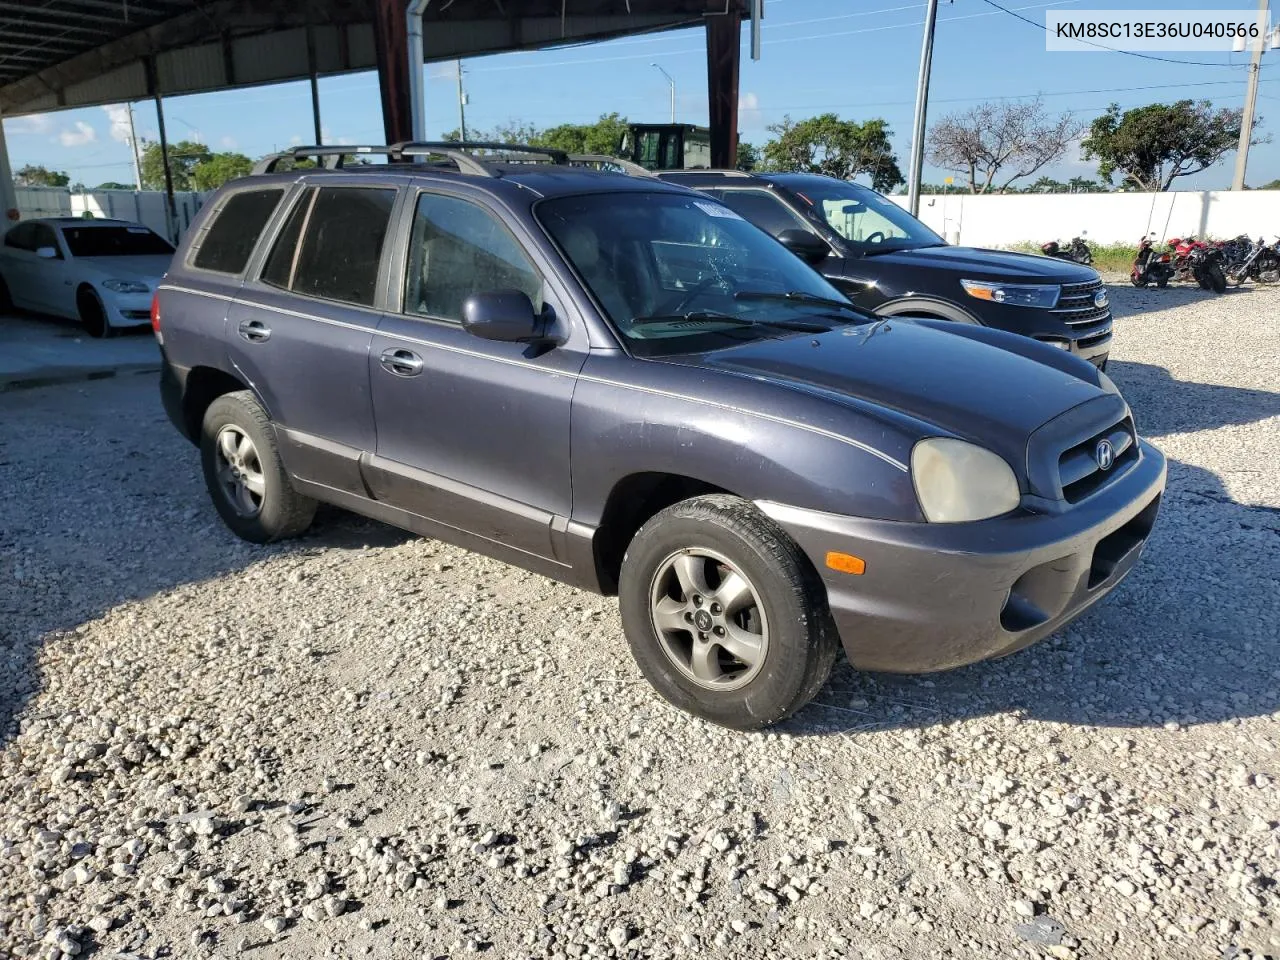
[(147, 269), (979, 264), (955, 384)]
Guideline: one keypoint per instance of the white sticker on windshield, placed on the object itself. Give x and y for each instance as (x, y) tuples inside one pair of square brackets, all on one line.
[(716, 210), (137, 229)]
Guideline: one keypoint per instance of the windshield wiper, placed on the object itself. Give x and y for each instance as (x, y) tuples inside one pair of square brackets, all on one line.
[(710, 316), (798, 296)]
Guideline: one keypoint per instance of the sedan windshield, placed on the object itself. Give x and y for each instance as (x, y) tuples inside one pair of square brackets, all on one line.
[(871, 223), (680, 273), (115, 242)]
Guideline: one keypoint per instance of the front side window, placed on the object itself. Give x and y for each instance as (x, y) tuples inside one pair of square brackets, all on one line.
[(459, 249), (871, 223), (230, 238), (676, 273), (331, 245), (45, 237), (112, 242)]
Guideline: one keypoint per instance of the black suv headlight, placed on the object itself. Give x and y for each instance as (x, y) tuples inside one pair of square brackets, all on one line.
[(1042, 295)]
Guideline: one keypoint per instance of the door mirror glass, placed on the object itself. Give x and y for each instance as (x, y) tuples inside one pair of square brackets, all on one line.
[(47, 253), (809, 247), (505, 315)]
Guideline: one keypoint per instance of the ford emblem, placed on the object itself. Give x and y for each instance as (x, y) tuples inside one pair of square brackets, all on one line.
[(1100, 299), (1105, 454)]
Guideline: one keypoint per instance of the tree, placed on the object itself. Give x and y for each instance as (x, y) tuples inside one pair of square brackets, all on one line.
[(1152, 146), (748, 156), (184, 157), (994, 138), (838, 148), (114, 185), (34, 176), (1272, 185), (602, 137), (220, 168), (1085, 185), (1047, 185)]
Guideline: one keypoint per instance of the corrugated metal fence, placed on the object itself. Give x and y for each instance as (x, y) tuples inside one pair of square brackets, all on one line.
[(142, 206)]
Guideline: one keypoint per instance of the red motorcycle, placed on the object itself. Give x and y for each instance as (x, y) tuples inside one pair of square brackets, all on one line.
[(1199, 261)]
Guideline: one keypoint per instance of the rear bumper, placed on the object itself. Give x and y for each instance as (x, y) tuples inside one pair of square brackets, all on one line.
[(937, 596), (173, 386)]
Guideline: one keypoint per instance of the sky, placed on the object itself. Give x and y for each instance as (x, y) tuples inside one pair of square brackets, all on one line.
[(856, 58)]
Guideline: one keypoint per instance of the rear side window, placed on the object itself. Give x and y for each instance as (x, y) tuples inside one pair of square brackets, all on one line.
[(331, 245), (230, 239), (763, 209)]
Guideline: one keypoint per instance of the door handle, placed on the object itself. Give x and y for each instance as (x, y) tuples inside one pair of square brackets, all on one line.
[(403, 363), (255, 331)]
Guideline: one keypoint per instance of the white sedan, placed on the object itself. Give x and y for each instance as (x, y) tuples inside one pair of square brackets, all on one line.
[(100, 272)]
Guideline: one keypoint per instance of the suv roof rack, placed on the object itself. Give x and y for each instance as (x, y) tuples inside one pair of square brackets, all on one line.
[(602, 159), (462, 153)]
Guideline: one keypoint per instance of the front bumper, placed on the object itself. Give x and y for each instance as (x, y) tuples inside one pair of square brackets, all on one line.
[(937, 596), (126, 309)]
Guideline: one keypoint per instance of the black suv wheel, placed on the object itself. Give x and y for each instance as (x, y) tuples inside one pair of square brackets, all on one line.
[(244, 474), (723, 613)]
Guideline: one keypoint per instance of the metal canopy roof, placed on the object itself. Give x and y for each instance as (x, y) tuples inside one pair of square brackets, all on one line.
[(75, 53)]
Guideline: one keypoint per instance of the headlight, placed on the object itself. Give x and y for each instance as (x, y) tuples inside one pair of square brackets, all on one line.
[(958, 481), (126, 286), (1044, 295)]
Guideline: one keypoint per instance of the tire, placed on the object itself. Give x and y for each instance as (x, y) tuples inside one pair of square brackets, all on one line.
[(92, 315), (279, 511), (1137, 281), (1217, 281), (784, 605)]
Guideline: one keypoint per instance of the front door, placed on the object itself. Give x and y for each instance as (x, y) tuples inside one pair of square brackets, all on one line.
[(472, 433), (300, 331)]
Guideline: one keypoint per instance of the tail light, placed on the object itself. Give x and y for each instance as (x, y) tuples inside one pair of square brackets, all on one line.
[(155, 313)]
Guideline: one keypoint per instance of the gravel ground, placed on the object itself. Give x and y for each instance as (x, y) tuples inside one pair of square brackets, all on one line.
[(365, 744)]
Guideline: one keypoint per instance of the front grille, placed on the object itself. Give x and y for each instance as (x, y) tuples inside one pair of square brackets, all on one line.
[(1078, 468), (1075, 307), (136, 314)]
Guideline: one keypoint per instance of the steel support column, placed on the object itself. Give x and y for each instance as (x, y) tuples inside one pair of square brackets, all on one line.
[(8, 195), (171, 208), (724, 48), (391, 42), (315, 86)]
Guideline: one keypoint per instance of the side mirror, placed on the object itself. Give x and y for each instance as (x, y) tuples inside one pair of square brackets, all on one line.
[(505, 315), (47, 253), (809, 247)]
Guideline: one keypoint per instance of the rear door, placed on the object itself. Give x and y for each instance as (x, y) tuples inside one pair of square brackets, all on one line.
[(16, 256), (473, 433), (301, 327)]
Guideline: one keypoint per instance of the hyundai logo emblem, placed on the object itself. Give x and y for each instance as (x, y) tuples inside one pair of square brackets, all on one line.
[(1105, 454), (1100, 299)]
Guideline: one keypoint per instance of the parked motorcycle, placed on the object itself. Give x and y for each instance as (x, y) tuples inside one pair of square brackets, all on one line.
[(1205, 264), (1256, 261), (1151, 265), (1077, 251)]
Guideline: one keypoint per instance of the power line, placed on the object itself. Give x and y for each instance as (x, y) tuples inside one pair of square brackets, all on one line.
[(1103, 46)]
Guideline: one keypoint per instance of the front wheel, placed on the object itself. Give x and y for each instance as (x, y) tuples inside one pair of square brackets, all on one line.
[(93, 317), (724, 614), (1217, 280), (244, 473)]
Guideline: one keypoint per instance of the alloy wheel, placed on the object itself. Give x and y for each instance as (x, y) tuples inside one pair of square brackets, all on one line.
[(239, 471)]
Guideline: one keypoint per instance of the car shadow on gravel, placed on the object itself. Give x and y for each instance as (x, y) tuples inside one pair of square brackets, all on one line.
[(1191, 637), (1129, 301)]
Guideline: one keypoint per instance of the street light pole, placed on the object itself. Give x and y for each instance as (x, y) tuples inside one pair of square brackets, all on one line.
[(922, 103), (1250, 104), (462, 107), (672, 83)]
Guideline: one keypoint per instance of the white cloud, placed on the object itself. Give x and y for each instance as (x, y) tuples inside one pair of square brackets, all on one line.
[(296, 140), (82, 134), (228, 143), (118, 115), (749, 110), (33, 123)]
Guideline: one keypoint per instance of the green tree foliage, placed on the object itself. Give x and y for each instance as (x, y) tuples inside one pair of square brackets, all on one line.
[(1151, 146), (1270, 185), (34, 176), (219, 168), (184, 157), (114, 185), (748, 156), (838, 148), (601, 137), (989, 141)]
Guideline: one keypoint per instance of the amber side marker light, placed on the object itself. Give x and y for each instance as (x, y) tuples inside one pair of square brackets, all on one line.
[(846, 563)]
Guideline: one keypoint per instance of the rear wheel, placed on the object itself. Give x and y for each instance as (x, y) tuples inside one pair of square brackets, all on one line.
[(1217, 279), (244, 473), (93, 317), (724, 614)]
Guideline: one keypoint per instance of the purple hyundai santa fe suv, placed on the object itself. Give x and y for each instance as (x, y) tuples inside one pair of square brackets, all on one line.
[(622, 384)]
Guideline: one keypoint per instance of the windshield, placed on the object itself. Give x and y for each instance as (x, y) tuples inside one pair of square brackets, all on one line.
[(115, 242), (871, 223), (680, 273)]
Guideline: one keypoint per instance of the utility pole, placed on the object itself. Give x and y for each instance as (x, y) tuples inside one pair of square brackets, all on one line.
[(672, 84), (1250, 101), (133, 149), (462, 106), (922, 103)]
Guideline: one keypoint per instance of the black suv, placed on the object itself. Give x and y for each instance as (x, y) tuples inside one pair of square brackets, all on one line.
[(889, 262), (622, 384)]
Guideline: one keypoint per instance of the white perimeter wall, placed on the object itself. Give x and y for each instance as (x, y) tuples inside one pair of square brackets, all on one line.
[(142, 206), (1004, 220)]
